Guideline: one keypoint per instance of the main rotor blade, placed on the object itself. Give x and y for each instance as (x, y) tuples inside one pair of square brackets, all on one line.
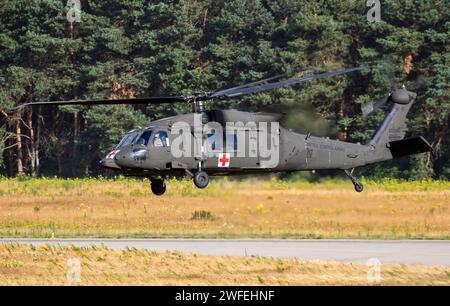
[(251, 88), (260, 82), (222, 92), (150, 100), (281, 84)]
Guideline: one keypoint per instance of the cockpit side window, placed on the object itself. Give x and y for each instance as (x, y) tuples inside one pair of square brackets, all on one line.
[(143, 138), (137, 137), (161, 139)]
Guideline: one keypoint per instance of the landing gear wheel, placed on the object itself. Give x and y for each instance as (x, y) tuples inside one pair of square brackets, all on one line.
[(359, 187), (158, 186), (201, 179)]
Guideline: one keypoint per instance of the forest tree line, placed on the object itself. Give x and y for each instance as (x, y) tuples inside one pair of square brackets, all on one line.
[(134, 48)]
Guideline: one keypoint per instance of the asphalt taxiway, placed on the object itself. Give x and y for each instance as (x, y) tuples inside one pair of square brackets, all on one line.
[(426, 252)]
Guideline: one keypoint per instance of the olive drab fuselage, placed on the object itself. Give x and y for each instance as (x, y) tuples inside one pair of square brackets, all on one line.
[(296, 151)]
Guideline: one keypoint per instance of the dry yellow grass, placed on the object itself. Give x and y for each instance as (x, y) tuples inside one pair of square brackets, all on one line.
[(126, 208), (46, 265)]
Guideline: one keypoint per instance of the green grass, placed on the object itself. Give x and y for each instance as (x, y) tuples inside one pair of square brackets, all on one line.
[(41, 186), (228, 208)]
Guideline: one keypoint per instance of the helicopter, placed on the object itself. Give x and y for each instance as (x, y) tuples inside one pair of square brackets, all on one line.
[(222, 142)]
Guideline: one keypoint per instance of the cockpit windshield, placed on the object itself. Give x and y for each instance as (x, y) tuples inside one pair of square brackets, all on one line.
[(136, 137)]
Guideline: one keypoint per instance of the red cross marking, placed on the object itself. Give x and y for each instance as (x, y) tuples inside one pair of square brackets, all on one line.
[(224, 160), (111, 154)]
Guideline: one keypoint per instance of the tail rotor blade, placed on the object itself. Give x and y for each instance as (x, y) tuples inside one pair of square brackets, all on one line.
[(370, 107), (367, 108), (390, 73)]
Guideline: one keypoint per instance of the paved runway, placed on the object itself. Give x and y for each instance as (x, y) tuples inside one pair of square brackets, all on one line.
[(427, 252)]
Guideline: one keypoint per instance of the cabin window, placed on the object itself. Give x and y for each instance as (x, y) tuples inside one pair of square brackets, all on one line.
[(214, 142), (231, 141)]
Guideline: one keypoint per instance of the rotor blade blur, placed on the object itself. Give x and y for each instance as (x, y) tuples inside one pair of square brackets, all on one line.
[(367, 108), (390, 73), (150, 100), (225, 91), (281, 84), (221, 92), (370, 107)]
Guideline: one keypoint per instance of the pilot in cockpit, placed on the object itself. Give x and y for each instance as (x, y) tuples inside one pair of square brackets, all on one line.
[(157, 142)]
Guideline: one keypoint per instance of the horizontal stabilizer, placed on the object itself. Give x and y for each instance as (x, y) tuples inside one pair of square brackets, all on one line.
[(409, 146)]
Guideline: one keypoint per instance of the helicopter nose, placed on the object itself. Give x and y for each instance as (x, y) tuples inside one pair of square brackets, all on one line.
[(108, 162), (124, 159), (130, 157)]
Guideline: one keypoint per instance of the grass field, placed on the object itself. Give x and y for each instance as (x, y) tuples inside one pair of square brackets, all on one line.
[(388, 209), (46, 265)]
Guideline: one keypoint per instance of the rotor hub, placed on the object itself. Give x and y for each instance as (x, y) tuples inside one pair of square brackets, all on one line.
[(402, 96)]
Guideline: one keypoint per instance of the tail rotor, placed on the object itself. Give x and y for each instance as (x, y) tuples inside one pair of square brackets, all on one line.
[(396, 95)]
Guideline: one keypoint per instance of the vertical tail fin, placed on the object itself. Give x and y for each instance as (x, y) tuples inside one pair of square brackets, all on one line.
[(393, 129), (394, 125)]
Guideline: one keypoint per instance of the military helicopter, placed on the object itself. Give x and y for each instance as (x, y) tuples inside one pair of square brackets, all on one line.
[(217, 142)]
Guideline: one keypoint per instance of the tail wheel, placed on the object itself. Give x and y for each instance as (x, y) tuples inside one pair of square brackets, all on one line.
[(359, 187), (158, 186), (201, 179)]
